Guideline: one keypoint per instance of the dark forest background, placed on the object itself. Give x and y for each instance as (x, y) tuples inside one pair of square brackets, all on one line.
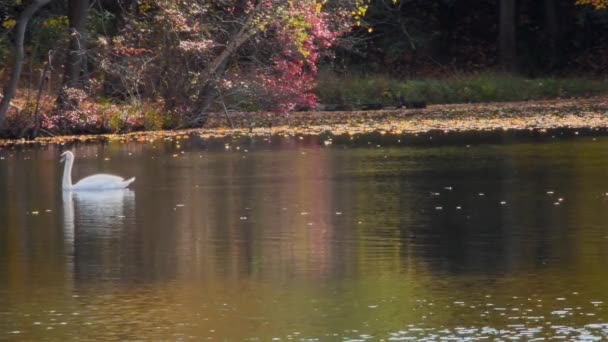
[(421, 38)]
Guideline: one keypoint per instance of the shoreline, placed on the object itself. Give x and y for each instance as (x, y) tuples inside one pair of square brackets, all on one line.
[(590, 113)]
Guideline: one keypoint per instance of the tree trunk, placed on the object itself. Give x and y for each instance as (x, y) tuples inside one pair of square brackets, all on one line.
[(552, 27), (76, 59), (507, 36), (216, 68), (74, 75), (43, 75), (11, 86)]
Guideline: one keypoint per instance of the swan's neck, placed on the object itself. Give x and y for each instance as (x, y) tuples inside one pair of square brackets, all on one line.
[(67, 174)]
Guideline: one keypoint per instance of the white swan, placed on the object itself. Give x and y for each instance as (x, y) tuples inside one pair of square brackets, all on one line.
[(95, 182)]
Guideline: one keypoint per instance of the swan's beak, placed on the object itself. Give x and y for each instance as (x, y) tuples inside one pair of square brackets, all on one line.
[(63, 156)]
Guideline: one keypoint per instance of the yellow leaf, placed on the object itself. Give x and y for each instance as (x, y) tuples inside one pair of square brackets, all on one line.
[(9, 23)]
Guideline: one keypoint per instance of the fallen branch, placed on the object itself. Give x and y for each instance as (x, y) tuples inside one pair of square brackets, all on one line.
[(46, 132)]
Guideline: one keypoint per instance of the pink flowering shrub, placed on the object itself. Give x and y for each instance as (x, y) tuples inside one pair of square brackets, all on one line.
[(73, 115), (301, 34)]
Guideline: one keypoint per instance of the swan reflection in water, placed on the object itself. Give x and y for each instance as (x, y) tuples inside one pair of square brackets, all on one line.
[(93, 220)]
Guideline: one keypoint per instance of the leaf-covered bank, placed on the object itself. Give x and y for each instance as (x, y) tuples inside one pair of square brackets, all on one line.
[(532, 115)]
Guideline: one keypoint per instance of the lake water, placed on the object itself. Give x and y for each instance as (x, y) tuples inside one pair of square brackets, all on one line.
[(451, 237)]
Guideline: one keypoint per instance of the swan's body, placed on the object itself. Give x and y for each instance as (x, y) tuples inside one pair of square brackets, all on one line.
[(95, 182)]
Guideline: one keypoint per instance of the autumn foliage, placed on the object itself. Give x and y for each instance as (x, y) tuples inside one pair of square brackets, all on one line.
[(262, 54), (197, 57), (599, 4)]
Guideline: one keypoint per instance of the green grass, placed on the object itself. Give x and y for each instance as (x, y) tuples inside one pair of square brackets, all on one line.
[(485, 87)]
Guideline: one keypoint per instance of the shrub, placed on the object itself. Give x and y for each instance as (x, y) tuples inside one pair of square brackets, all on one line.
[(485, 87)]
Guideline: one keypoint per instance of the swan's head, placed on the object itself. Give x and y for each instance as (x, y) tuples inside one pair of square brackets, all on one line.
[(66, 155)]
